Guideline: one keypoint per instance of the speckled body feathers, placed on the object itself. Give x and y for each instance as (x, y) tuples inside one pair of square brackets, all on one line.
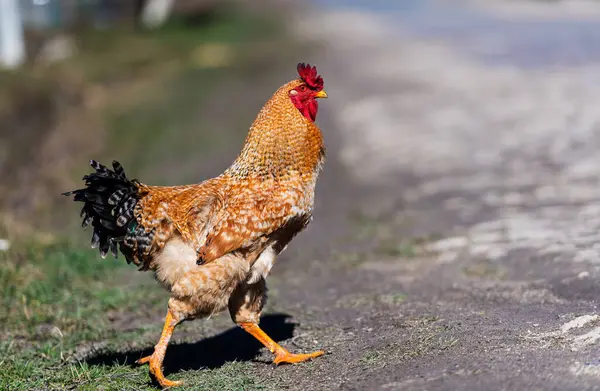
[(260, 202)]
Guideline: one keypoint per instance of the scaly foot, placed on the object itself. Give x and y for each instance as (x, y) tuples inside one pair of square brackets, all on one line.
[(157, 373), (286, 357)]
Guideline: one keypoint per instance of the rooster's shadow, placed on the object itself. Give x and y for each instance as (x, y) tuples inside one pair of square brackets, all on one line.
[(213, 352)]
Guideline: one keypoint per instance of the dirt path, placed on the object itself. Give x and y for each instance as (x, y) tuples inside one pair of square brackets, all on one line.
[(456, 240)]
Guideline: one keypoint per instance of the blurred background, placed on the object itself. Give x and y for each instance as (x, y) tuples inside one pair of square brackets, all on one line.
[(129, 79), (462, 134)]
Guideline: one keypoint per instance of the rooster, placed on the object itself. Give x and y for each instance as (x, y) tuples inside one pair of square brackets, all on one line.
[(213, 244)]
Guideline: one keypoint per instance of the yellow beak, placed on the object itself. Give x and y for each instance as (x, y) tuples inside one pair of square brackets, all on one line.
[(321, 94)]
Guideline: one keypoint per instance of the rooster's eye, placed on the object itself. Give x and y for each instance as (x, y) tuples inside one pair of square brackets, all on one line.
[(302, 88)]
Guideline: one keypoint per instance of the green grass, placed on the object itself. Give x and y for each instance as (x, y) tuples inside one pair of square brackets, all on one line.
[(233, 376), (44, 370), (55, 298), (62, 290), (43, 284), (62, 304)]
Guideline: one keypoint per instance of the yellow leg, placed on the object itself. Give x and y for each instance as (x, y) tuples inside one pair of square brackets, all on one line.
[(157, 358), (281, 355)]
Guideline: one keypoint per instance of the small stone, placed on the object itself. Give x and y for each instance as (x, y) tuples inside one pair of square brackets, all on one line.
[(448, 244), (578, 322)]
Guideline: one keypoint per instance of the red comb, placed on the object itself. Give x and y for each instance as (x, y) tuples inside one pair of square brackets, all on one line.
[(309, 75)]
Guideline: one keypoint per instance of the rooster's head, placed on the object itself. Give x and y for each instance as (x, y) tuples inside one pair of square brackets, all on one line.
[(305, 93)]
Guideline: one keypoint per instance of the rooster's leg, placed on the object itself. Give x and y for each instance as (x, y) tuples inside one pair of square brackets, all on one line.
[(156, 359), (245, 306), (281, 355)]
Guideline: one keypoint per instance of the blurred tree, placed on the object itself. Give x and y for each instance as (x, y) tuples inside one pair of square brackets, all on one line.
[(12, 45)]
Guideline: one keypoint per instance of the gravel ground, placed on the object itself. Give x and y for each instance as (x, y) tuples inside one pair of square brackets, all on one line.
[(485, 178)]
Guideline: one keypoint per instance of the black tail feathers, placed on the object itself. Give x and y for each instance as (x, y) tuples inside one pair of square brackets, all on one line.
[(109, 200)]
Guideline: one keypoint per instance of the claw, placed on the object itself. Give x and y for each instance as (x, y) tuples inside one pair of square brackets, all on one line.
[(156, 372), (281, 355), (201, 254), (166, 383), (143, 360), (290, 358)]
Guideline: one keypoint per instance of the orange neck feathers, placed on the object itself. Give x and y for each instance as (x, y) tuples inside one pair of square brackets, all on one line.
[(281, 141)]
